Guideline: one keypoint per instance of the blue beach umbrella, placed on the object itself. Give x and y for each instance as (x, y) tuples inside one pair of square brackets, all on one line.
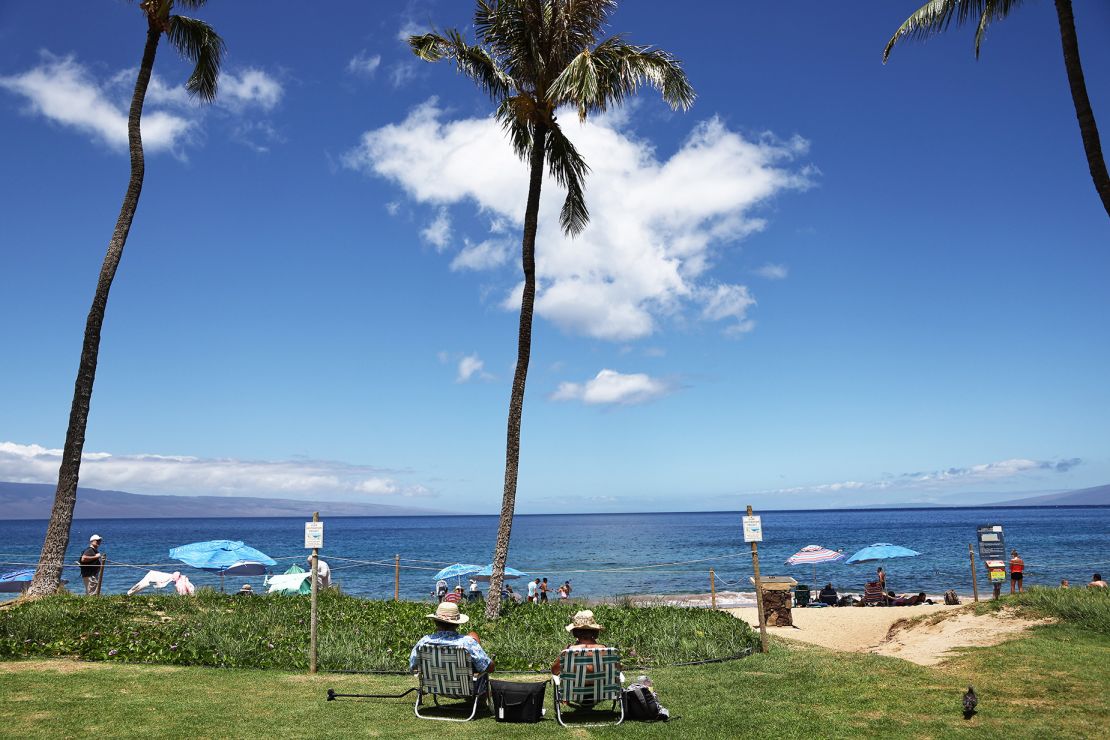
[(456, 571), (485, 574), (16, 581), (882, 551), (226, 557)]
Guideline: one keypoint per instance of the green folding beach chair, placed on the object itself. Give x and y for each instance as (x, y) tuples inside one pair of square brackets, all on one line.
[(587, 678), (446, 671), (801, 595)]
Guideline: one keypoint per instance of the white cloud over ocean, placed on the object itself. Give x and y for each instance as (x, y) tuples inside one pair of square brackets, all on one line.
[(185, 475), (657, 229)]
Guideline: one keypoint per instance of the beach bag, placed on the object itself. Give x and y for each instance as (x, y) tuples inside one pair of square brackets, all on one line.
[(518, 702), (640, 703), (951, 598)]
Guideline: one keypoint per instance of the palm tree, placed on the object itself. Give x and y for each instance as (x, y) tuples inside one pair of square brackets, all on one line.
[(534, 56), (201, 45), (936, 15)]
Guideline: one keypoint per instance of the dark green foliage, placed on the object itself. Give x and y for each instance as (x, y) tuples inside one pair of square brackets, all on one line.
[(215, 629)]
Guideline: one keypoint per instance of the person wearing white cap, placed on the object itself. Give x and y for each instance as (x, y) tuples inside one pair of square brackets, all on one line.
[(448, 619), (92, 565)]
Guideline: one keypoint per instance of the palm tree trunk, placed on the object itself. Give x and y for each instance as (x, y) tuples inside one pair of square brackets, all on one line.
[(523, 354), (1086, 116), (49, 573)]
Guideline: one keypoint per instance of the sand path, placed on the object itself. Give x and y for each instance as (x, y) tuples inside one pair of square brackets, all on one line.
[(889, 631)]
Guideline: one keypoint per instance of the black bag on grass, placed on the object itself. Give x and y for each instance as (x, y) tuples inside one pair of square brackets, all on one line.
[(640, 703), (518, 702)]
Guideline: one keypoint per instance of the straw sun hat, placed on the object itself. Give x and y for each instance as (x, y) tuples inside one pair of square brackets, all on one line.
[(448, 612), (584, 620)]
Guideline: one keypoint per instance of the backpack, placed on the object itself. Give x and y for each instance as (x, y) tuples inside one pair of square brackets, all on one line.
[(951, 598), (517, 702), (640, 703)]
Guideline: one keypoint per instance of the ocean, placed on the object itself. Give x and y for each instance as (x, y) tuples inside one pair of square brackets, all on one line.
[(607, 554)]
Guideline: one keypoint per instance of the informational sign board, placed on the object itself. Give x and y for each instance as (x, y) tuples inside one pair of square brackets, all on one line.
[(753, 529), (313, 534), (992, 544)]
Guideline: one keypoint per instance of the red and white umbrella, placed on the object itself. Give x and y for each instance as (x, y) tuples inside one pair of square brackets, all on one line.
[(812, 555)]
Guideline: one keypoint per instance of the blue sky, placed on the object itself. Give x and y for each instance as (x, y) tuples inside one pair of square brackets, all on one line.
[(831, 282)]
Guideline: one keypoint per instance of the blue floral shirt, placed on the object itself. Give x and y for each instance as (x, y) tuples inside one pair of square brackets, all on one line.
[(477, 655)]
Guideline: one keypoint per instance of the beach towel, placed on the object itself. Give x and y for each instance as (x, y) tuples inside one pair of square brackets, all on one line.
[(155, 578), (183, 585)]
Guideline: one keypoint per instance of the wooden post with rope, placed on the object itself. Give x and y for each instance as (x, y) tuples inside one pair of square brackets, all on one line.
[(758, 590), (312, 618), (100, 574), (974, 578), (397, 577), (713, 589)]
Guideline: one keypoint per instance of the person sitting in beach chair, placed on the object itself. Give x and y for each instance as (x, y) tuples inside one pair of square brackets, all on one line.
[(587, 672), (828, 595), (450, 665), (873, 594)]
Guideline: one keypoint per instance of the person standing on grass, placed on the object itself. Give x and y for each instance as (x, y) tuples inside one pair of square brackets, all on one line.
[(92, 565), (1017, 571)]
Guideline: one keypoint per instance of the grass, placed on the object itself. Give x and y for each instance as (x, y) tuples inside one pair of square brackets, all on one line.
[(1084, 607), (354, 634), (1050, 684)]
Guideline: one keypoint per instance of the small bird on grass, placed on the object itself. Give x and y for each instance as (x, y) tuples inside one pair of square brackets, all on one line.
[(971, 700)]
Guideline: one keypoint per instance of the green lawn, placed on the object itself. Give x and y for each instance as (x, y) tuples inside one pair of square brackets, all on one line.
[(1052, 683)]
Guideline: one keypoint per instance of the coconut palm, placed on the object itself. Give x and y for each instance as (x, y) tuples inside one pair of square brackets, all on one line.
[(532, 58), (197, 42), (935, 16)]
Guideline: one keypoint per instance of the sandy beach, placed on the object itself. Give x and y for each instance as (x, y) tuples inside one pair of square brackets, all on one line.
[(924, 634)]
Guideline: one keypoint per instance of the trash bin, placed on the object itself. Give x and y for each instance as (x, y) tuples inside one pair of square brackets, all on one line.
[(777, 599)]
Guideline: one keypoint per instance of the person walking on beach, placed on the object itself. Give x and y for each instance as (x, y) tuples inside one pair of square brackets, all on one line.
[(1017, 570), (881, 574), (92, 565), (544, 588), (323, 573), (533, 587)]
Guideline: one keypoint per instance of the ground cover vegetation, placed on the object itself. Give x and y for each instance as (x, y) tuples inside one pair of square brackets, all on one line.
[(1051, 683), (230, 631), (1088, 608)]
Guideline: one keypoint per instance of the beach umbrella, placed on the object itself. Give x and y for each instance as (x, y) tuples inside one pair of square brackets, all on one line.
[(485, 574), (16, 581), (457, 570), (225, 557), (812, 555), (882, 551)]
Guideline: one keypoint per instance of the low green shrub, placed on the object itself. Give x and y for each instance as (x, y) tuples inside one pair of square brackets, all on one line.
[(272, 631)]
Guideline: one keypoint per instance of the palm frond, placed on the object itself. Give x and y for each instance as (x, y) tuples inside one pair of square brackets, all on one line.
[(199, 43), (569, 169), (936, 16), (191, 4), (598, 79), (472, 61), (515, 115)]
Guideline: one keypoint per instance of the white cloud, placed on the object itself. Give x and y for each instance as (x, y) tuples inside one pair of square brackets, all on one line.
[(611, 387), (165, 474), (657, 226), (772, 271), (251, 88), (410, 28), (438, 232), (985, 473), (484, 255), (63, 91), (363, 64), (401, 73), (471, 367), (393, 208)]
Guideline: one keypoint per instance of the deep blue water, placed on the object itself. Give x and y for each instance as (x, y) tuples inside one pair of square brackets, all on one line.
[(590, 550)]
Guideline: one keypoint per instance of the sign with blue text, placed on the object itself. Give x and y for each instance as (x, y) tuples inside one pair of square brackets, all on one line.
[(313, 534), (753, 529)]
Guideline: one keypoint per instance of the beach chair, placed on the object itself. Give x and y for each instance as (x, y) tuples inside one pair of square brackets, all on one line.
[(446, 671), (873, 594), (587, 678), (801, 595)]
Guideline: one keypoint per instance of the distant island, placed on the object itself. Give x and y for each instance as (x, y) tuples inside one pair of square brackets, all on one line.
[(34, 501)]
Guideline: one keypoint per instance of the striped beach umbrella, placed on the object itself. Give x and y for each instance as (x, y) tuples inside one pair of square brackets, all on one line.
[(812, 555)]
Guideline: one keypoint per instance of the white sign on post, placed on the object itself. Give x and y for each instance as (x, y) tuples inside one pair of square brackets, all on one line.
[(753, 529), (313, 534)]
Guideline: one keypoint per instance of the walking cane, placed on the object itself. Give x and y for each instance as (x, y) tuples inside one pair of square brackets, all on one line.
[(332, 696)]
